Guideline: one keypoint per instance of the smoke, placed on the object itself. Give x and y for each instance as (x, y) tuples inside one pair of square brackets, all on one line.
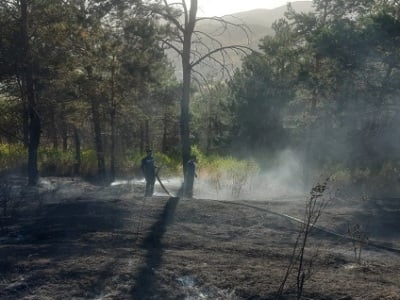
[(283, 178)]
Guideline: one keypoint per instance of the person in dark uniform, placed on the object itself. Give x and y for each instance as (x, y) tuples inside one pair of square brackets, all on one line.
[(149, 172), (190, 174)]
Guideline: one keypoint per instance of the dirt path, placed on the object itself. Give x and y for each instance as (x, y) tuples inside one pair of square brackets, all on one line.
[(89, 242)]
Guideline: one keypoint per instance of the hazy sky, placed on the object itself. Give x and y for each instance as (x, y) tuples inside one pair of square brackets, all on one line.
[(223, 7)]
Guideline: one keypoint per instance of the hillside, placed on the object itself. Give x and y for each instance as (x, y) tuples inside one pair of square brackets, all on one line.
[(258, 23), (266, 17)]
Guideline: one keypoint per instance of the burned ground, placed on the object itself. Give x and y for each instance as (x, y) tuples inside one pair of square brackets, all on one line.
[(81, 241)]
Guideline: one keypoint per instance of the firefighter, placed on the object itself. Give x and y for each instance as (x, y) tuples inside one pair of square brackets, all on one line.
[(149, 172)]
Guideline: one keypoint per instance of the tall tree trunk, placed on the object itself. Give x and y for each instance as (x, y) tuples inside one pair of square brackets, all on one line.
[(141, 146), (190, 23), (77, 162), (64, 129), (34, 140), (146, 133), (98, 141), (34, 119), (53, 129), (187, 74), (112, 154), (209, 129), (112, 122), (164, 146), (24, 110), (64, 138)]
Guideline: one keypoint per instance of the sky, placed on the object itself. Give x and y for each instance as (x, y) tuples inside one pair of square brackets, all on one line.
[(224, 7)]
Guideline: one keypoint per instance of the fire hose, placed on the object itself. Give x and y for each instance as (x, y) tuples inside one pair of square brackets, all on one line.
[(162, 185), (374, 244), (320, 228)]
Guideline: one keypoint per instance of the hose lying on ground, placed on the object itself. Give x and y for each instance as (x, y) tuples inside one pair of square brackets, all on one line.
[(320, 228), (374, 244)]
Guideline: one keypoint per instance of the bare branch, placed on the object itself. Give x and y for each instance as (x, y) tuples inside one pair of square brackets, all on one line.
[(172, 46), (222, 20), (210, 37), (203, 78), (238, 48)]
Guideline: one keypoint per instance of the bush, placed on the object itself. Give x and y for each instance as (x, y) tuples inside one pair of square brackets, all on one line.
[(88, 162), (227, 172), (12, 156), (55, 162)]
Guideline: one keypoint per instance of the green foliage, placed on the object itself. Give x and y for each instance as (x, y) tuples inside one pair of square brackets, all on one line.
[(390, 171), (12, 156), (229, 165), (227, 171), (168, 165), (55, 162), (195, 150), (213, 118), (262, 89), (89, 162)]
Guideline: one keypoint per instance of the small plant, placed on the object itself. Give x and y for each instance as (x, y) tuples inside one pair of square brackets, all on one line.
[(315, 205), (359, 240), (215, 180), (239, 178)]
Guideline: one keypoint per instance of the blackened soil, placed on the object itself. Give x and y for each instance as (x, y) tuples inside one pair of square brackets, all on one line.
[(74, 240)]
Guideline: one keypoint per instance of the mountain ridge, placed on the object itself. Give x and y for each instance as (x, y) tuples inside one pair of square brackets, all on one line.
[(258, 21), (261, 15), (259, 25)]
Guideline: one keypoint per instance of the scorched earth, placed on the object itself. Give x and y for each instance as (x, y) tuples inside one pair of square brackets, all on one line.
[(69, 239)]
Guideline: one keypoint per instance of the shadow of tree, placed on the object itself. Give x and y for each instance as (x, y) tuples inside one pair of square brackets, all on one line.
[(145, 279)]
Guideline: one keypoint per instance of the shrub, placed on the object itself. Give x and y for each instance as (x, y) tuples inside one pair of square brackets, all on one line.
[(12, 156), (227, 172), (55, 162), (89, 162)]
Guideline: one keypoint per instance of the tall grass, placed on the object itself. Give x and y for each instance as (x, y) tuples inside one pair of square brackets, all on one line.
[(51, 161), (227, 172)]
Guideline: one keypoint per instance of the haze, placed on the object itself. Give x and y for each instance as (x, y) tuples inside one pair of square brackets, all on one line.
[(225, 7)]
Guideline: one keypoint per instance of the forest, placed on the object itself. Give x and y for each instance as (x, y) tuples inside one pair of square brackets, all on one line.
[(85, 86), (296, 135)]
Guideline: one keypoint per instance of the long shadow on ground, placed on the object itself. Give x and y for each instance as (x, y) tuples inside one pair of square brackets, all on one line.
[(145, 279)]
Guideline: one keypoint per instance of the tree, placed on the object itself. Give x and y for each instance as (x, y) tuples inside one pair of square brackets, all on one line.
[(37, 50), (262, 89), (183, 36), (89, 61), (213, 118), (347, 75)]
